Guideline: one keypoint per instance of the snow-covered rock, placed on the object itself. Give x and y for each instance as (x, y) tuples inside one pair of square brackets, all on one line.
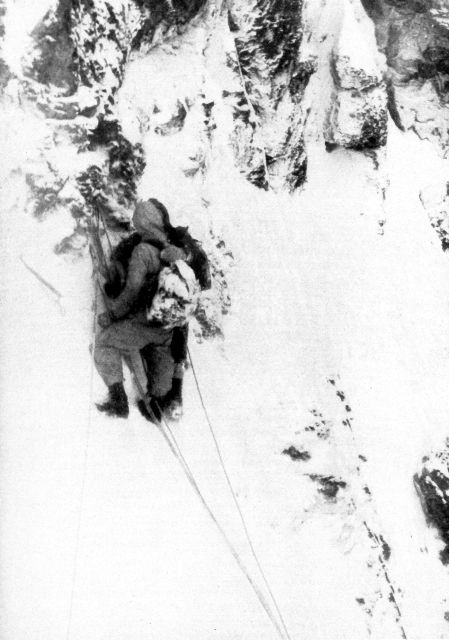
[(273, 77), (357, 117), (435, 200), (432, 484), (357, 63), (415, 39), (102, 34), (358, 121), (49, 59)]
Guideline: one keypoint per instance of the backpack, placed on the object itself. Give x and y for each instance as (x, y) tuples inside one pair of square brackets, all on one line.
[(118, 265), (171, 297), (176, 298)]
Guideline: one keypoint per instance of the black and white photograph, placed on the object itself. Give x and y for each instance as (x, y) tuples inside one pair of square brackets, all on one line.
[(224, 329)]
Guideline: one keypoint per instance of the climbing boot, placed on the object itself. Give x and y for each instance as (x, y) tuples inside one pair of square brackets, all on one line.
[(150, 409), (172, 401), (175, 393), (117, 402)]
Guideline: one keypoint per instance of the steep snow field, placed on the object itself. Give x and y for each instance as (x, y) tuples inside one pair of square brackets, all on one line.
[(341, 288)]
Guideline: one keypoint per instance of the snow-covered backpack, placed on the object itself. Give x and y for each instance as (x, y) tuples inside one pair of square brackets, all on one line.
[(180, 284), (176, 298), (179, 237), (171, 297), (196, 256)]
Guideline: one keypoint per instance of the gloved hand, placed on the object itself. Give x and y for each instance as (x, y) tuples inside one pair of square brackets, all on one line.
[(116, 280), (172, 253), (104, 319)]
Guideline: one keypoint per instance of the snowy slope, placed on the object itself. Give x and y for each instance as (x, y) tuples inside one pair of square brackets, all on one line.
[(336, 344)]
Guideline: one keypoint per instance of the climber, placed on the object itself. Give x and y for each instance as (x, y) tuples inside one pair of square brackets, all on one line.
[(125, 328)]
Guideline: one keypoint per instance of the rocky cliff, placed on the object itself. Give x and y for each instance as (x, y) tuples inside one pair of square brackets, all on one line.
[(305, 144)]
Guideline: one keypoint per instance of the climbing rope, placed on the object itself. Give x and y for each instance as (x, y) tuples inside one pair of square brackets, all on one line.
[(235, 500), (99, 217), (169, 437), (84, 476), (93, 230)]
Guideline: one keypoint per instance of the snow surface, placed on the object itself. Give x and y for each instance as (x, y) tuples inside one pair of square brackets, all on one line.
[(20, 19), (101, 535)]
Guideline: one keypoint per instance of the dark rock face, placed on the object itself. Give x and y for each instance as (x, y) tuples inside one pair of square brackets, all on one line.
[(274, 34), (87, 43), (267, 36), (111, 188), (416, 6), (166, 15), (125, 161), (414, 36), (81, 50), (432, 485), (102, 41), (373, 133), (373, 8), (53, 61)]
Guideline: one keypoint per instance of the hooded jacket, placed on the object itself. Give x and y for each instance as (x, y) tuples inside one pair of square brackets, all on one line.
[(145, 262), (145, 259)]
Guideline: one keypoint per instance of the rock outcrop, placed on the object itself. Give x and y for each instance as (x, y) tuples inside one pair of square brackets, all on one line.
[(268, 111), (414, 36), (72, 74), (432, 485), (357, 118), (50, 60)]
